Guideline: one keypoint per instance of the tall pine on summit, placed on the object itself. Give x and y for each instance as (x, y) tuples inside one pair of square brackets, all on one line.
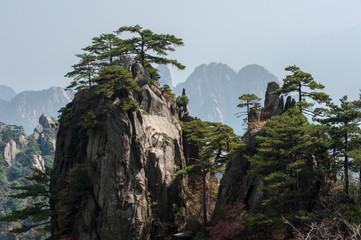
[(110, 49), (147, 42), (305, 86)]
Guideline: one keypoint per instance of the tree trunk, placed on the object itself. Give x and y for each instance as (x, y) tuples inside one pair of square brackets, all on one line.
[(345, 165), (248, 112), (204, 174)]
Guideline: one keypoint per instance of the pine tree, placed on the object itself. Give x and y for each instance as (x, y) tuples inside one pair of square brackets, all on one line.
[(343, 122), (146, 42), (304, 85), (284, 159), (248, 100), (218, 141), (37, 214), (83, 72), (109, 49)]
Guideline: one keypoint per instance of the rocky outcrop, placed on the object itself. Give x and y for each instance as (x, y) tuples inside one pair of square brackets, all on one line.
[(273, 104), (10, 152), (124, 168), (45, 133), (237, 185), (140, 74)]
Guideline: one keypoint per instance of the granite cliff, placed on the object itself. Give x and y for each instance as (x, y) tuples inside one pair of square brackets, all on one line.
[(117, 180)]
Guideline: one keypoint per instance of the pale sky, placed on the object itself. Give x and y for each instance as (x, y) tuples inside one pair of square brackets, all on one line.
[(40, 37)]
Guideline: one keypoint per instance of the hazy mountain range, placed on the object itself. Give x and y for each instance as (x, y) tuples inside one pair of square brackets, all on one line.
[(214, 90), (26, 107)]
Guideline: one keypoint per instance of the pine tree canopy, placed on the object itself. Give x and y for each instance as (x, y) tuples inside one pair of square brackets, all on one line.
[(147, 42), (304, 85)]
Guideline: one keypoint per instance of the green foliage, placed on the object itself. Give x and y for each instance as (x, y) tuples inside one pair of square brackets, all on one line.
[(297, 82), (248, 101), (114, 79), (167, 92), (83, 72), (21, 207), (108, 50), (128, 104), (101, 68), (218, 141), (35, 215), (10, 132), (66, 115), (146, 42), (344, 133), (182, 100), (283, 160)]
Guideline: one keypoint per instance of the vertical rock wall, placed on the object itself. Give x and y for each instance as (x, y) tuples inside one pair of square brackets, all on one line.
[(117, 180)]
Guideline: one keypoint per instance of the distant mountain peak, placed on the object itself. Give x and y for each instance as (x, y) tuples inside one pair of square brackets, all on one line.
[(214, 88), (165, 76), (6, 93), (26, 107)]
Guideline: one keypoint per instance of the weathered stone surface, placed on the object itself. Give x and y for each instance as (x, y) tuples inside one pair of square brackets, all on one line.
[(23, 142), (42, 132), (140, 74), (10, 152), (255, 114), (290, 103), (130, 161), (38, 162), (271, 103), (237, 185)]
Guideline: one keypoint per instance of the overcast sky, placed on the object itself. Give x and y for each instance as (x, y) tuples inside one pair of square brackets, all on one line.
[(40, 37)]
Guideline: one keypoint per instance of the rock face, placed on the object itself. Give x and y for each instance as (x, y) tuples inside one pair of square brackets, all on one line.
[(10, 152), (237, 185), (128, 162), (43, 134)]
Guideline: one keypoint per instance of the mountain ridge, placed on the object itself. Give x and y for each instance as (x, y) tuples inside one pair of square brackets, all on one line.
[(213, 90), (26, 107)]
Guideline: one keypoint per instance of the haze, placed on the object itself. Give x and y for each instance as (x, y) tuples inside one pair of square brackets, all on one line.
[(39, 38)]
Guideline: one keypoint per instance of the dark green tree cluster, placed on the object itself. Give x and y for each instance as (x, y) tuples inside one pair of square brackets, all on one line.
[(217, 141), (295, 158), (110, 50), (342, 124), (36, 214), (286, 150), (104, 68)]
